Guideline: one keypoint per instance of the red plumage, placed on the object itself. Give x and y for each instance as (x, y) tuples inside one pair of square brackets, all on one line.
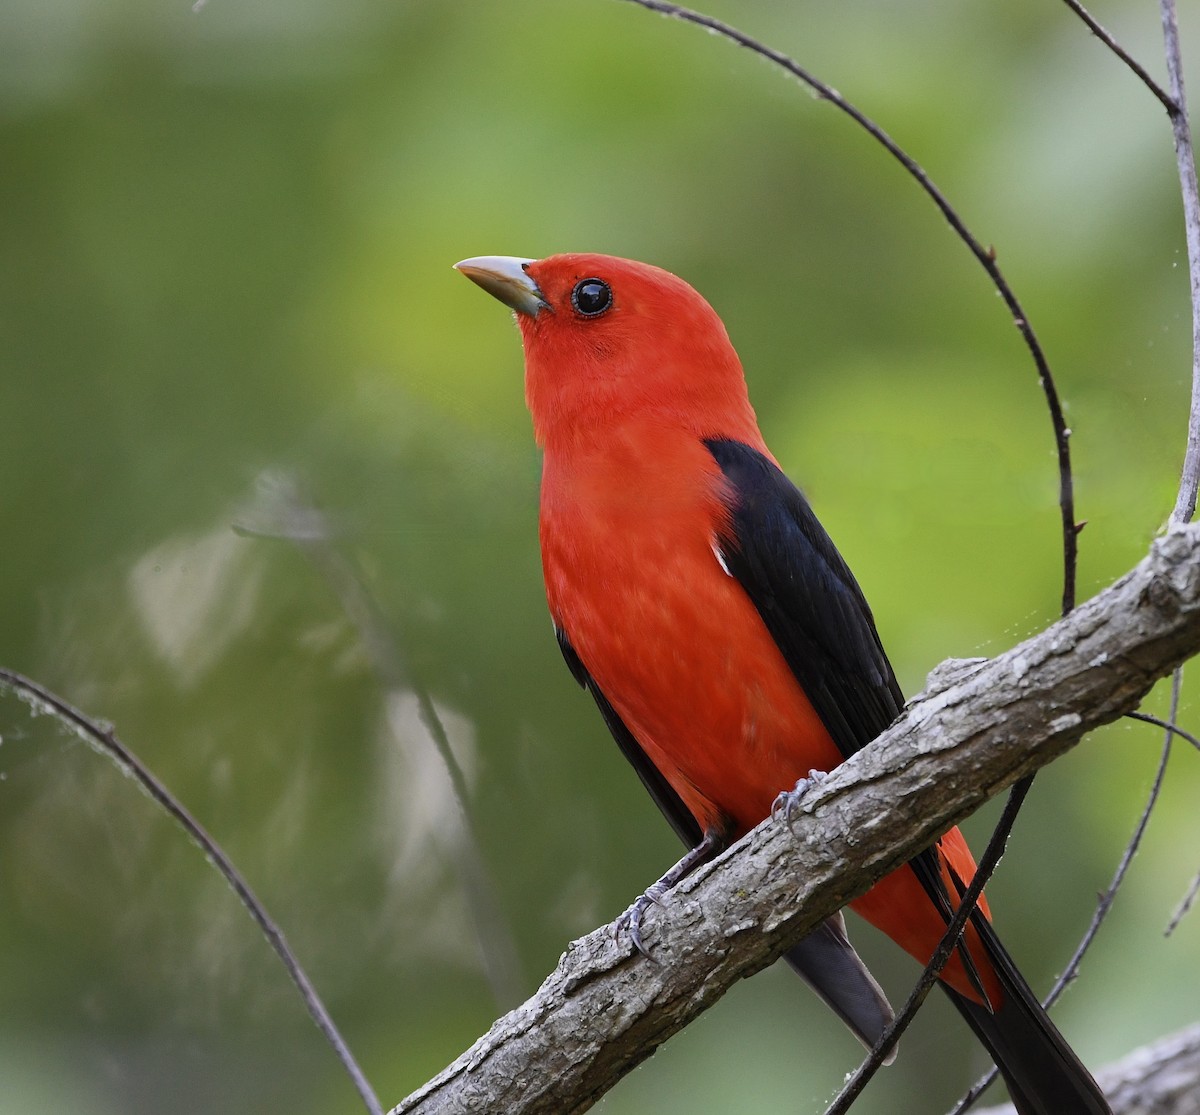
[(631, 506), (724, 639)]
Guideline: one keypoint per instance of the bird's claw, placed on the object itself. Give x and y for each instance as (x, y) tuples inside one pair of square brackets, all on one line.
[(784, 807), (630, 922)]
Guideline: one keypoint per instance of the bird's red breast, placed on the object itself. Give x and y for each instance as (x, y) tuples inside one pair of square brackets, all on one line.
[(629, 551)]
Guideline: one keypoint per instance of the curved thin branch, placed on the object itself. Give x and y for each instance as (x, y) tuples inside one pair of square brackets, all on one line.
[(986, 256), (104, 739), (1166, 725), (1185, 503), (1135, 841), (1184, 907), (1185, 904), (283, 511), (1103, 35), (1106, 900)]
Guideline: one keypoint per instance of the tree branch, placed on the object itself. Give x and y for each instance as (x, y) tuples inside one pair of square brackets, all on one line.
[(1103, 35), (103, 738), (1185, 504), (1158, 1079), (604, 1010)]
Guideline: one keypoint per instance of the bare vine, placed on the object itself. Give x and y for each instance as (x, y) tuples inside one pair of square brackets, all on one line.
[(283, 511), (1106, 38), (104, 739), (1185, 504), (949, 942), (986, 257)]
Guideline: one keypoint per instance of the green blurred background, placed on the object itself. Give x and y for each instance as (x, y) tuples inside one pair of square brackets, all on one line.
[(225, 246)]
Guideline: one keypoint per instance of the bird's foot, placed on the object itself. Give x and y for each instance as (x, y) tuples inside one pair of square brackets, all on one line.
[(715, 841), (630, 922), (784, 807)]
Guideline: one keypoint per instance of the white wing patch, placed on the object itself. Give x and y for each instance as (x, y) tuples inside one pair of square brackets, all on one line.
[(716, 549)]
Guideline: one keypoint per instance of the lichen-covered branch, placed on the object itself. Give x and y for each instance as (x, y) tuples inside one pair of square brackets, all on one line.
[(972, 734)]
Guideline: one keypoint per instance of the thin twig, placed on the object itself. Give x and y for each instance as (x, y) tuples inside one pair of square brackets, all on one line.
[(284, 512), (1135, 841), (104, 739), (986, 257), (949, 942), (1184, 907), (1109, 896), (1158, 722), (1095, 27), (1185, 904), (1185, 503)]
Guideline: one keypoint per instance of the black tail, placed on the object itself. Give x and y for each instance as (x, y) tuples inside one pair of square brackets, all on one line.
[(827, 962), (1043, 1075)]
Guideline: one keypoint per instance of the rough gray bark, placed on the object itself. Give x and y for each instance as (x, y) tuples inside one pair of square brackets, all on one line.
[(973, 733), (1158, 1079)]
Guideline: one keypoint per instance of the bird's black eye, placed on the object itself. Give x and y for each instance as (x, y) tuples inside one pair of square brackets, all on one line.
[(591, 297)]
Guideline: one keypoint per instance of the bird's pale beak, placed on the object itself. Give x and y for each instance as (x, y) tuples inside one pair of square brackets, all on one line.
[(506, 278)]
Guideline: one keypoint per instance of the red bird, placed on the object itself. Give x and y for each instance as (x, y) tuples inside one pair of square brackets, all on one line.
[(730, 651)]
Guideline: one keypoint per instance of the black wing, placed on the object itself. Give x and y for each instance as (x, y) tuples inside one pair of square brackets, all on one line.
[(807, 597), (811, 604)]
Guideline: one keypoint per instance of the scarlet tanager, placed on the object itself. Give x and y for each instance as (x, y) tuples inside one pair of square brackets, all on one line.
[(697, 598)]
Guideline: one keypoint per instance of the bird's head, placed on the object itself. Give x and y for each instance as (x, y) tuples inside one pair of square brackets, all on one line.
[(609, 339)]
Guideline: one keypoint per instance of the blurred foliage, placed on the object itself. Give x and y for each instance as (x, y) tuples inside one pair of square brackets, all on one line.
[(225, 245)]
